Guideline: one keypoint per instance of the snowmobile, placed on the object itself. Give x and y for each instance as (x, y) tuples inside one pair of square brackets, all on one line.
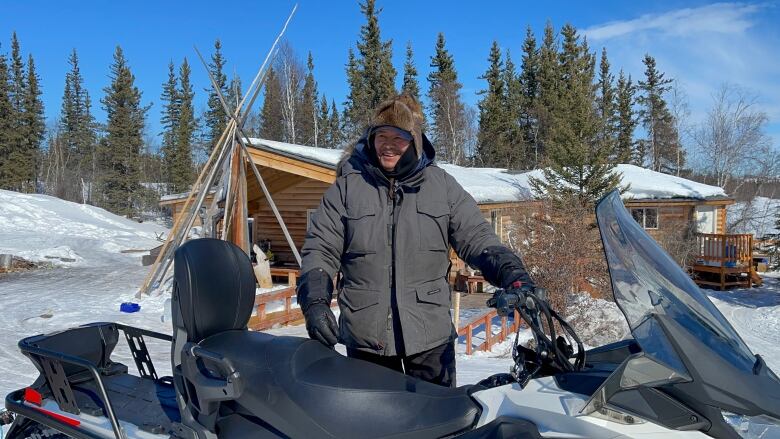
[(684, 373)]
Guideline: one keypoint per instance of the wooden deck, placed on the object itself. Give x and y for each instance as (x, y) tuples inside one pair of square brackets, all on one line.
[(724, 261)]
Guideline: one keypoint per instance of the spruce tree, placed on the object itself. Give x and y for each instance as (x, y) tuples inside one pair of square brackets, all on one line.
[(516, 151), (606, 105), (234, 94), (16, 159), (323, 124), (307, 128), (548, 83), (371, 76), (448, 114), (215, 117), (6, 121), (182, 171), (34, 127), (662, 143), (626, 119), (529, 89), (410, 85), (120, 149), (355, 112), (491, 137), (335, 128), (271, 127), (169, 121), (578, 166), (78, 134)]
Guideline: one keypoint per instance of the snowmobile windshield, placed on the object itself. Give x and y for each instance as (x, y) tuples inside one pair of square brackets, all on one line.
[(647, 282)]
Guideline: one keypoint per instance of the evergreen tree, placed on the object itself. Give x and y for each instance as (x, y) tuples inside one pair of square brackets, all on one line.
[(16, 159), (529, 90), (6, 122), (171, 104), (626, 119), (491, 138), (355, 113), (606, 105), (448, 114), (371, 76), (578, 166), (215, 117), (515, 154), (78, 136), (662, 143), (182, 170), (271, 126), (548, 83), (120, 149), (308, 122), (323, 124), (34, 128), (234, 94), (334, 127), (410, 85)]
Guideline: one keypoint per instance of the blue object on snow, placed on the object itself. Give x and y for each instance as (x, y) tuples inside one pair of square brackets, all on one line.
[(129, 307)]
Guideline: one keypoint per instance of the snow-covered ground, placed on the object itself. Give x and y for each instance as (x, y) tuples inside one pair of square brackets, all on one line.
[(100, 277)]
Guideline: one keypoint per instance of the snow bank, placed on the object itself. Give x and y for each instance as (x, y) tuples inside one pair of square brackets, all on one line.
[(41, 228)]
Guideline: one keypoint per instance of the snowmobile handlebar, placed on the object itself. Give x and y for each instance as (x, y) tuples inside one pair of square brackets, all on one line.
[(554, 350)]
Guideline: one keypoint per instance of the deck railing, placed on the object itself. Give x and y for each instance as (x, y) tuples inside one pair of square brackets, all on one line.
[(721, 250), (485, 322)]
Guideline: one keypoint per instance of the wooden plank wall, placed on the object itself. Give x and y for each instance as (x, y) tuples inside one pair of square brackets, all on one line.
[(292, 203)]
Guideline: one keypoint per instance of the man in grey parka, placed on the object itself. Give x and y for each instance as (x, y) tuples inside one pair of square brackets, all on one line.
[(387, 223)]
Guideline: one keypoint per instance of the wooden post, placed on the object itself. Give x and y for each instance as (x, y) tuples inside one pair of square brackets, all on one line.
[(468, 339), (456, 313), (488, 333)]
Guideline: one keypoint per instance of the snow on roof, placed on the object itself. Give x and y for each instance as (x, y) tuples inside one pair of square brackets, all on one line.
[(647, 184), (325, 156), (495, 185)]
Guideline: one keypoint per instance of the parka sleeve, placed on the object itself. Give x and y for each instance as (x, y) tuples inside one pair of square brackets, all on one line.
[(324, 242), (475, 242)]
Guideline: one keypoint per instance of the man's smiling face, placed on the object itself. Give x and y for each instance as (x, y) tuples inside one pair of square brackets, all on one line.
[(390, 144)]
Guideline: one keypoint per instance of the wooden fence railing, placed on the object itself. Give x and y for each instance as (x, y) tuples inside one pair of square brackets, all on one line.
[(265, 320), (724, 250), (486, 321)]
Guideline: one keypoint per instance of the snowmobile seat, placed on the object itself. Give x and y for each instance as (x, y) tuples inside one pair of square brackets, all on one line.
[(284, 386)]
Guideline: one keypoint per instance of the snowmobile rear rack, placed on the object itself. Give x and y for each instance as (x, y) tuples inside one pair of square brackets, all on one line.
[(82, 354)]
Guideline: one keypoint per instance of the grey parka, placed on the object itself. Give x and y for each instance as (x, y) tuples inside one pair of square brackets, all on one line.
[(390, 241)]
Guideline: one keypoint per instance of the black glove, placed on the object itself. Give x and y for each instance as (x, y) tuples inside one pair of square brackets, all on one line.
[(321, 324), (504, 301)]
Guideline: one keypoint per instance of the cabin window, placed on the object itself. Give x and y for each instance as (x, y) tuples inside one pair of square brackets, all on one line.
[(647, 217)]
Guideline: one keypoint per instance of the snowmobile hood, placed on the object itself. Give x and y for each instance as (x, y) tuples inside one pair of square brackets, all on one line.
[(677, 325)]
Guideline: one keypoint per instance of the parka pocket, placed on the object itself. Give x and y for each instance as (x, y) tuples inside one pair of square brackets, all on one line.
[(434, 303), (360, 318), (359, 237), (433, 217)]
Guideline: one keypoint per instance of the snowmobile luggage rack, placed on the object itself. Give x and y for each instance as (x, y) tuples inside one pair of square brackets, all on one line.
[(79, 375)]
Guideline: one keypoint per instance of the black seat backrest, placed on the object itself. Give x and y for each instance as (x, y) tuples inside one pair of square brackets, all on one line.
[(215, 287)]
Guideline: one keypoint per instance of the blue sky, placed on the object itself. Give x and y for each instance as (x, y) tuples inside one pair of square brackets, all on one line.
[(698, 43)]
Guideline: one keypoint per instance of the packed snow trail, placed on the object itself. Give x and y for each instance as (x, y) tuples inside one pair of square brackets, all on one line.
[(49, 300), (755, 314)]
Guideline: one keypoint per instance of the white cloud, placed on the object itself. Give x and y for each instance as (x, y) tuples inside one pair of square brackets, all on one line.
[(723, 18), (703, 48)]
